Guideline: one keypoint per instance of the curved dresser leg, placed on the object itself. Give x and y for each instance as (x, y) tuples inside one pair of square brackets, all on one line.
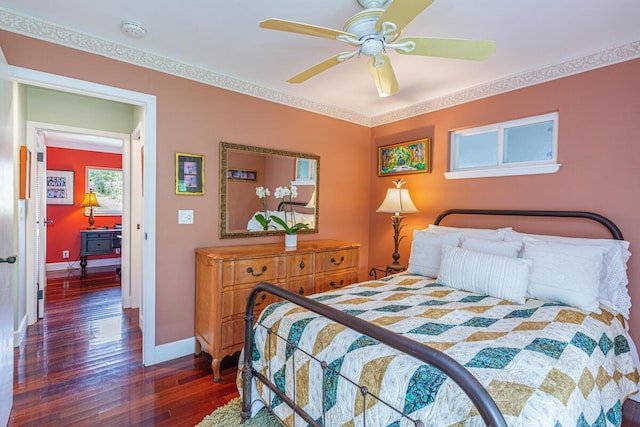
[(215, 367)]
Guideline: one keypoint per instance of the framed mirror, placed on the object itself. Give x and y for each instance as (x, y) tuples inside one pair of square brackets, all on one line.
[(244, 168)]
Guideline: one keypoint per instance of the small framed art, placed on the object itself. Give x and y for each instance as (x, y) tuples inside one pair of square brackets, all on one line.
[(405, 157), (59, 187), (241, 175), (189, 174)]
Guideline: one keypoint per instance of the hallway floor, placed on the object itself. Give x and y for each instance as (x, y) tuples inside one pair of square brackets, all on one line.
[(81, 365)]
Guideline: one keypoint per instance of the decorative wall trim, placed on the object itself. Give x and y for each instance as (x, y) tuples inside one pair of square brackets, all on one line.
[(43, 30)]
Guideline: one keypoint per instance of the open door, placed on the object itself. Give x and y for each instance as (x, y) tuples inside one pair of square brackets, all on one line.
[(8, 242), (41, 223)]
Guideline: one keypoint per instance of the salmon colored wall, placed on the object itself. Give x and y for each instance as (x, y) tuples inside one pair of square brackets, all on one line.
[(194, 118), (598, 149), (64, 233)]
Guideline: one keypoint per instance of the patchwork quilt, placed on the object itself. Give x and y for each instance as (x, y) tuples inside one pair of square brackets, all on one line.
[(545, 364)]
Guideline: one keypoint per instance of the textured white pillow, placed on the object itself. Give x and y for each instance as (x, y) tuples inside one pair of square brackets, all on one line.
[(487, 274), (612, 290), (510, 249), (426, 251), (565, 273), (484, 233)]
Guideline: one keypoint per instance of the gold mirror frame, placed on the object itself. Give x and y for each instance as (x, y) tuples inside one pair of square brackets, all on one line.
[(225, 148)]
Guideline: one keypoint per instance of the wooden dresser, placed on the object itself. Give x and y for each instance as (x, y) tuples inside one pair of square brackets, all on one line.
[(226, 275)]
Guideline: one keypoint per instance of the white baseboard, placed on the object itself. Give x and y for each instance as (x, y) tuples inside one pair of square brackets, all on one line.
[(175, 349), (19, 333), (75, 265)]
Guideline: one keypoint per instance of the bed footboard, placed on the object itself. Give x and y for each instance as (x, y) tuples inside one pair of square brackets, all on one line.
[(463, 378)]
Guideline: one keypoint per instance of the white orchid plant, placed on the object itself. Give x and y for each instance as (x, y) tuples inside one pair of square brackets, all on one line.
[(265, 219), (287, 194)]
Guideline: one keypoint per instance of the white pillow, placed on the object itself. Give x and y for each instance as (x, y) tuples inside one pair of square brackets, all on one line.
[(565, 273), (487, 274), (510, 249), (612, 291), (484, 233), (426, 251)]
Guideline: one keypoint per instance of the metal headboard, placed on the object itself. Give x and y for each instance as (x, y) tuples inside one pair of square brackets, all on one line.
[(610, 225)]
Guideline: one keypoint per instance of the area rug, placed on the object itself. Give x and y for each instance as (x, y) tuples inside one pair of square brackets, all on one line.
[(229, 416)]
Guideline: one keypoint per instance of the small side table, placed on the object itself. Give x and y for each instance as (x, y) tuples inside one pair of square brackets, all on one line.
[(383, 271)]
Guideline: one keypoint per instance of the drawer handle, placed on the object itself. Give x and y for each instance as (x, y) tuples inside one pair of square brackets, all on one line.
[(301, 290), (259, 303), (302, 265), (333, 261), (250, 271), (333, 284)]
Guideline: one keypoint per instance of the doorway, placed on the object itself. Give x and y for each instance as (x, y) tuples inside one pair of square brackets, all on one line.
[(146, 105), (73, 147)]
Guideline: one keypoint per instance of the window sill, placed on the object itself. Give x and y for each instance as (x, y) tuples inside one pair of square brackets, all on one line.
[(504, 171)]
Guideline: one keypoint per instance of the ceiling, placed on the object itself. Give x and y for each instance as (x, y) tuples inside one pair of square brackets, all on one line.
[(220, 43)]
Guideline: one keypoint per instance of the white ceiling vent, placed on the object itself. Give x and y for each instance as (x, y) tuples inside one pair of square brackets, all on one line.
[(133, 29)]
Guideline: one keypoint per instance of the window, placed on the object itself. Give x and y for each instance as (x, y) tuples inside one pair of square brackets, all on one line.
[(108, 186), (517, 147)]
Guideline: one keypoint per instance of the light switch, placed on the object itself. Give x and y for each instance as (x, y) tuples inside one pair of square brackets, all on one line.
[(185, 217)]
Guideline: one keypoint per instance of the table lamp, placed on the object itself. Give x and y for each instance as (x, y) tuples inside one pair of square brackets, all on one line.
[(90, 200), (312, 201), (397, 201)]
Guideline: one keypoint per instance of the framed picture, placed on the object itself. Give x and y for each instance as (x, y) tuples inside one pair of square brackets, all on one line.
[(189, 174), (405, 157), (241, 175), (59, 187)]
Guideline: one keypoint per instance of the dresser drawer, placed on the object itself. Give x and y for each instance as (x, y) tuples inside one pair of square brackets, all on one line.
[(234, 302), (336, 280), (300, 265), (253, 270), (335, 260)]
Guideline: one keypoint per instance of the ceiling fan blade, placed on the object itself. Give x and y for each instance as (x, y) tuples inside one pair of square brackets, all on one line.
[(476, 50), (401, 12), (317, 69), (383, 75), (297, 27)]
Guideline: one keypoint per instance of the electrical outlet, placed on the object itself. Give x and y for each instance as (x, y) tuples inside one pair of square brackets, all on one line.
[(65, 254)]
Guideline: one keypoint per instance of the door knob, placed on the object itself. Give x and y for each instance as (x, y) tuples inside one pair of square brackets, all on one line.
[(10, 259)]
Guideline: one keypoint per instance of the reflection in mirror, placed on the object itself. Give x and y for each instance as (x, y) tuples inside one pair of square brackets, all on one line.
[(244, 168)]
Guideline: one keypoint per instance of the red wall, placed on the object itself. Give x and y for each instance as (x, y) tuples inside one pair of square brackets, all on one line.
[(64, 233)]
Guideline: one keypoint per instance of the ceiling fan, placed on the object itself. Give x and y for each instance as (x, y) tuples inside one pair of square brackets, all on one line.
[(374, 30)]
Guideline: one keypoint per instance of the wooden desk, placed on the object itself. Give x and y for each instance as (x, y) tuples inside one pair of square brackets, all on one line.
[(98, 242)]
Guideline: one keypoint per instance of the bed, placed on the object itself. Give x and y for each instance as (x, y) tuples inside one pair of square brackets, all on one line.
[(487, 326)]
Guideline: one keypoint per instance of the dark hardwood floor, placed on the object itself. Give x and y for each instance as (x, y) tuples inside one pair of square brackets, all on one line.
[(81, 365)]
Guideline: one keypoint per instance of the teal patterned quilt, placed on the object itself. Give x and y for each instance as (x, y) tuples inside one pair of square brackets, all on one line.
[(545, 364)]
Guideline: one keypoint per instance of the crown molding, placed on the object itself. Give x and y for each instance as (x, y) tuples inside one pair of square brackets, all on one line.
[(47, 31)]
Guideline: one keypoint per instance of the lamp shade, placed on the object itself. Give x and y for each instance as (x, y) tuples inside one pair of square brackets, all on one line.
[(397, 201), (90, 200), (312, 201)]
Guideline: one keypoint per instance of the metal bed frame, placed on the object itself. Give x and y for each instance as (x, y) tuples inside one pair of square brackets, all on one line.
[(484, 403)]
